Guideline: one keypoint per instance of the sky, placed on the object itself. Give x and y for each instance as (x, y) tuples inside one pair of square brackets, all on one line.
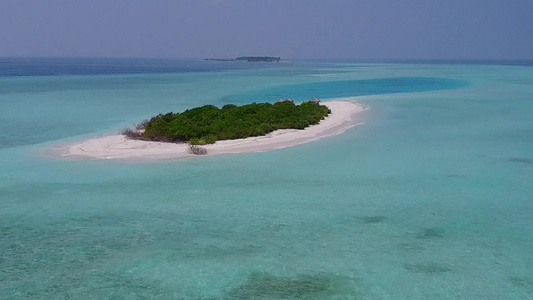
[(306, 29)]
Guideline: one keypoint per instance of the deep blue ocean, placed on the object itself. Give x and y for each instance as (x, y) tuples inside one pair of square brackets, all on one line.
[(430, 198)]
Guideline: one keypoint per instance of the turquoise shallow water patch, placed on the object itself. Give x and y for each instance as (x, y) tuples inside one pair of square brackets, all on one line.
[(429, 199), (349, 88)]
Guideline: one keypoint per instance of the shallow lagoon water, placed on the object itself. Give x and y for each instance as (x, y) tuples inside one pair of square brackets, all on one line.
[(429, 199)]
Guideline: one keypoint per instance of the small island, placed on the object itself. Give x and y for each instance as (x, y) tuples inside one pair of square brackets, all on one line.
[(259, 58), (341, 115), (208, 124), (248, 59)]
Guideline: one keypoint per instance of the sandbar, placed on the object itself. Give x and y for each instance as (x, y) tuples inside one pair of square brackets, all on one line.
[(118, 147)]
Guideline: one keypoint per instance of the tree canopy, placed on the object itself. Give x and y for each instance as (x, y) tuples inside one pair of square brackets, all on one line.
[(208, 124)]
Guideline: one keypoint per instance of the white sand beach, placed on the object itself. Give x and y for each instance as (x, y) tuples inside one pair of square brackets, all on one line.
[(118, 147)]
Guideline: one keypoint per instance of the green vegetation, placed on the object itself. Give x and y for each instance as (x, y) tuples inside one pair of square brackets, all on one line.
[(208, 124)]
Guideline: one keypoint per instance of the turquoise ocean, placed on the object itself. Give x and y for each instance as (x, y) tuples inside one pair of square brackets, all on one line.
[(431, 198)]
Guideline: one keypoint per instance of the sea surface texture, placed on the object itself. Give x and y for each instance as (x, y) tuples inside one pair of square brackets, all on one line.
[(431, 198)]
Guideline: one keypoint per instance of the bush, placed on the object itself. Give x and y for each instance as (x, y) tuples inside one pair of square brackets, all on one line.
[(197, 141), (131, 134), (197, 150), (210, 139), (142, 125), (207, 124)]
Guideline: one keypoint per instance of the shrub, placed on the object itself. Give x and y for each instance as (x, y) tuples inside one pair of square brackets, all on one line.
[(207, 124), (210, 139), (142, 125), (131, 134), (197, 150), (197, 141)]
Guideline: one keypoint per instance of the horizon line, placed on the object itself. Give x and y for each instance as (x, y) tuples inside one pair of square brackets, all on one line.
[(283, 58)]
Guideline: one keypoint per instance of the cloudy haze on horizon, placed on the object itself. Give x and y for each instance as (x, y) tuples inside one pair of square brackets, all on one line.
[(348, 29)]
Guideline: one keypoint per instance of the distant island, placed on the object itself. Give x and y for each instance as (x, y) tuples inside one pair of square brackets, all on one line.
[(249, 59), (259, 58), (208, 124)]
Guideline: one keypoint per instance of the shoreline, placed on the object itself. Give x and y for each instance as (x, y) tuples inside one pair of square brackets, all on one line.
[(118, 147)]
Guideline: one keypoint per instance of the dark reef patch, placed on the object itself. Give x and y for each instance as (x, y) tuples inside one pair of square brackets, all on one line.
[(373, 219), (427, 268), (430, 233), (521, 282), (523, 160), (265, 286)]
